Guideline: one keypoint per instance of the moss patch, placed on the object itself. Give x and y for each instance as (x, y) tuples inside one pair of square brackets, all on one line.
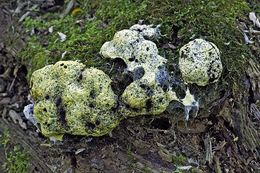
[(214, 21), (85, 33), (181, 21), (17, 158)]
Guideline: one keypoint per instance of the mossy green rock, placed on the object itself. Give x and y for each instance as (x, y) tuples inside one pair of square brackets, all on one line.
[(74, 100)]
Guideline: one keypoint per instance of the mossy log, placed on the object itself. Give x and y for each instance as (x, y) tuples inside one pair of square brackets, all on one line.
[(230, 108)]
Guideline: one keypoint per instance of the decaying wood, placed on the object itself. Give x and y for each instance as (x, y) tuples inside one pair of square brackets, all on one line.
[(246, 105)]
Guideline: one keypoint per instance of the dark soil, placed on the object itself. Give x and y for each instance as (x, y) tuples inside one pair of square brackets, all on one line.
[(208, 143)]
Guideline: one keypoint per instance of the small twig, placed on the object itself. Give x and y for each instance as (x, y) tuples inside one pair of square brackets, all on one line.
[(69, 7), (255, 32), (20, 6), (27, 13), (208, 147), (217, 165), (3, 94), (111, 69), (155, 130), (12, 84), (255, 111)]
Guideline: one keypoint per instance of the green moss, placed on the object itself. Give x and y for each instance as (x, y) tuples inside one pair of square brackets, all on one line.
[(179, 159), (17, 160), (130, 158), (83, 40), (254, 5), (5, 138), (213, 20), (16, 157)]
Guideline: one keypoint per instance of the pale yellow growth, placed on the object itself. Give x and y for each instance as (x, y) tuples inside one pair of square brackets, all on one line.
[(200, 62), (144, 95), (70, 98), (74, 100)]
